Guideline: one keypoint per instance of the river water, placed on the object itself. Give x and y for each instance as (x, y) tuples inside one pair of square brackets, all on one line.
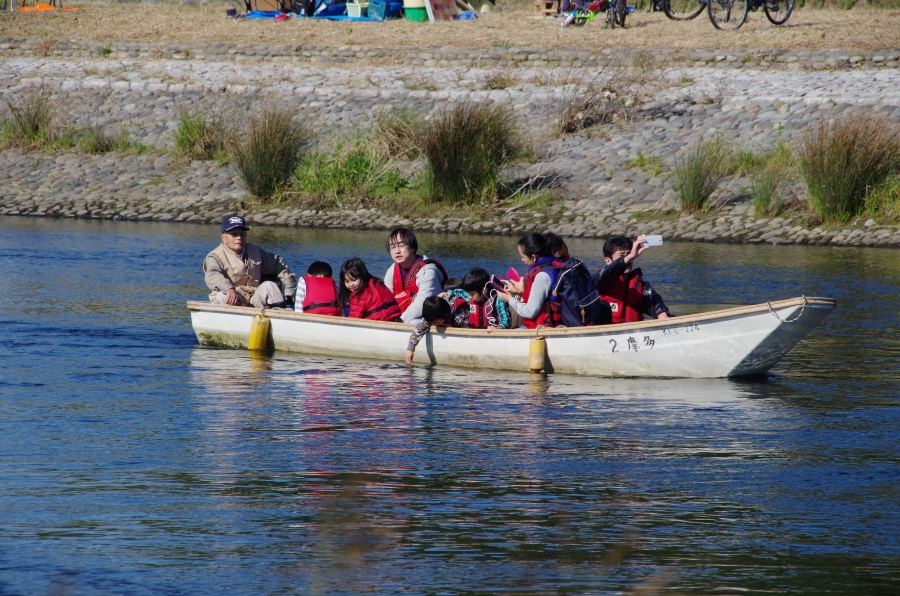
[(133, 461)]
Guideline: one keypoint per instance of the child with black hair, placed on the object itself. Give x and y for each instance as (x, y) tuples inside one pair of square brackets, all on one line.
[(486, 309), (557, 247), (436, 311), (366, 296), (574, 293), (624, 288), (316, 293)]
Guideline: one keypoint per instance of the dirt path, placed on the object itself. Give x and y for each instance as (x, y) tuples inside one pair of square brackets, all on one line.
[(857, 29)]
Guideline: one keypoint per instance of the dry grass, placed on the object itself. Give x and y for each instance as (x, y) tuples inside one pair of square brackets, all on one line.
[(844, 158), (861, 28)]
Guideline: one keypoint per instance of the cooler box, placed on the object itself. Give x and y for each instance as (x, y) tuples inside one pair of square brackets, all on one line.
[(414, 10), (419, 15)]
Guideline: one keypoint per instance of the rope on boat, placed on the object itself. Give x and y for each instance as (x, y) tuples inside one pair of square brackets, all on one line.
[(800, 314)]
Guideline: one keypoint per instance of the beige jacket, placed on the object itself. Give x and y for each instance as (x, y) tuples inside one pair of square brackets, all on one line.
[(225, 270)]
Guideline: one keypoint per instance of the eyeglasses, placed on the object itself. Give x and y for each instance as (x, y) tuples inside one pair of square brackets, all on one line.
[(398, 245), (236, 232)]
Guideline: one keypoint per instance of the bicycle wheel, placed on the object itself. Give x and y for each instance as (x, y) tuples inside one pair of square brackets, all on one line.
[(611, 19), (621, 12), (779, 11), (727, 15), (682, 10)]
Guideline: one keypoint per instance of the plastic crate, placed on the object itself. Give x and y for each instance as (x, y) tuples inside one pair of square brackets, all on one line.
[(381, 11), (357, 9)]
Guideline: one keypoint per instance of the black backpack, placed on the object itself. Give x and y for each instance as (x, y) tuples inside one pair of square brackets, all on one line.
[(576, 297)]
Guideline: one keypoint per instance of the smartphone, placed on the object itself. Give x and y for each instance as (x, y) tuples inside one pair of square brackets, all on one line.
[(497, 283), (513, 275), (652, 240)]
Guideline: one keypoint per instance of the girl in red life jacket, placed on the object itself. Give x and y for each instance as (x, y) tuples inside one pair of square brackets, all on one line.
[(316, 294), (624, 288), (530, 296), (366, 296)]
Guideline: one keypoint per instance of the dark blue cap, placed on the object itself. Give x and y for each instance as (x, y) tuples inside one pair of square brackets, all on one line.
[(234, 222)]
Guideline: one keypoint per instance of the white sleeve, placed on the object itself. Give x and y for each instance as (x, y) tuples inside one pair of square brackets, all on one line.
[(540, 289), (389, 278), (300, 295), (429, 281)]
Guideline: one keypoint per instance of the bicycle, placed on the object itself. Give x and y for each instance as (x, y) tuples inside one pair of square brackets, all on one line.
[(683, 10), (729, 15), (616, 11)]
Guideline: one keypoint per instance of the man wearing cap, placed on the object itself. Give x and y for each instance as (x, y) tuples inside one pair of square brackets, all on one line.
[(234, 271)]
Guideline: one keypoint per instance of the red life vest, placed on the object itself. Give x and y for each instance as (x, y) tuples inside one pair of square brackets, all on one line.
[(483, 314), (626, 298), (405, 290), (374, 302), (321, 297), (547, 316), (477, 320)]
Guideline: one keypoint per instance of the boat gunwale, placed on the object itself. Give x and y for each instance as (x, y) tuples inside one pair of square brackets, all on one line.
[(198, 306)]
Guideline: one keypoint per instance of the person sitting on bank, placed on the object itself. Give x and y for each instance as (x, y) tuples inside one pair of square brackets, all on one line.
[(366, 296), (530, 296), (316, 293), (412, 278), (437, 312), (629, 296), (234, 271), (486, 309)]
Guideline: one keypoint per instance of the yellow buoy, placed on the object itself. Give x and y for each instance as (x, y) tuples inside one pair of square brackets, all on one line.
[(259, 333), (536, 348)]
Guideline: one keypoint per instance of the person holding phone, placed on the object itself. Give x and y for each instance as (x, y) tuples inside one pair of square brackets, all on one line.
[(630, 297), (530, 296)]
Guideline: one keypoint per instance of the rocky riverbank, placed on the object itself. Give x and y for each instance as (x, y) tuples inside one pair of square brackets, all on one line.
[(611, 178)]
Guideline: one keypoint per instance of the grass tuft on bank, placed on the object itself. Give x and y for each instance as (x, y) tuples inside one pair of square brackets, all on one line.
[(267, 153), (465, 146), (31, 125), (844, 159), (700, 171), (203, 134)]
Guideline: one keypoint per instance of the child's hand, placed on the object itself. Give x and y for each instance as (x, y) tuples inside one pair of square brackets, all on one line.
[(490, 328), (409, 357)]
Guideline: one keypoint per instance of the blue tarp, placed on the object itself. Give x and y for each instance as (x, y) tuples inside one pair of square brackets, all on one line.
[(261, 14), (343, 17)]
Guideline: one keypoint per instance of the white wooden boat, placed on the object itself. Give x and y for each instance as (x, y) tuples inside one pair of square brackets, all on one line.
[(746, 340)]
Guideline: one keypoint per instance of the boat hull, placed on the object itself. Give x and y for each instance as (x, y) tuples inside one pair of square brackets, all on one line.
[(727, 343)]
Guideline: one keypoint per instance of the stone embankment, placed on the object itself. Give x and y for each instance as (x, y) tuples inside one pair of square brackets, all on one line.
[(450, 57), (612, 178)]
